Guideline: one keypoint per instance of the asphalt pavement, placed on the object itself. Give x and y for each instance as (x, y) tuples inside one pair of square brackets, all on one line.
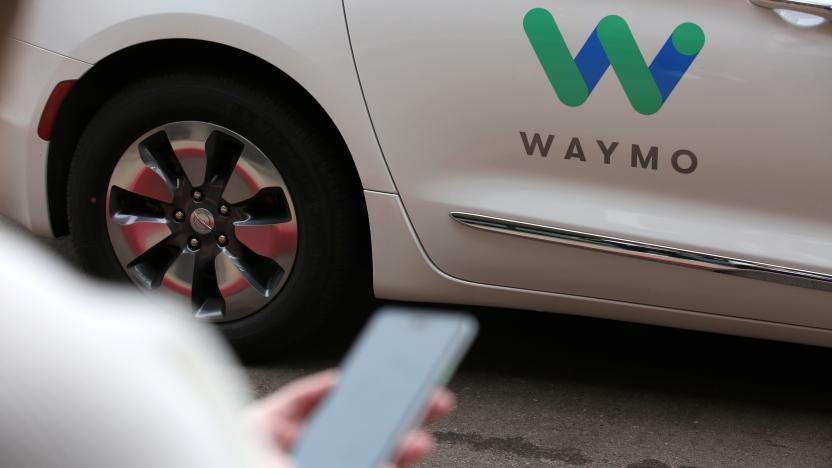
[(547, 390), (550, 390)]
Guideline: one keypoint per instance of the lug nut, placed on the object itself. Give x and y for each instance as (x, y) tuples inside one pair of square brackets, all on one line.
[(194, 243), (222, 239), (224, 209), (179, 215), (197, 195)]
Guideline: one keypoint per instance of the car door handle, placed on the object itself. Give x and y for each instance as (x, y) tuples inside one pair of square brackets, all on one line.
[(822, 8)]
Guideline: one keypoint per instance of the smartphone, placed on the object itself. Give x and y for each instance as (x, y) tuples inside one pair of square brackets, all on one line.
[(386, 383)]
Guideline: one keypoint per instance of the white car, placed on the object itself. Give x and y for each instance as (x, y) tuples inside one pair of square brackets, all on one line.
[(663, 162)]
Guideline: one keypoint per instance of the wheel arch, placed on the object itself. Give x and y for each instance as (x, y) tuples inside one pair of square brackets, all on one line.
[(143, 60)]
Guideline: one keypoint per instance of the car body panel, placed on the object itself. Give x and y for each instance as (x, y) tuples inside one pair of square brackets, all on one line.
[(308, 41), (404, 272), (29, 75), (451, 87)]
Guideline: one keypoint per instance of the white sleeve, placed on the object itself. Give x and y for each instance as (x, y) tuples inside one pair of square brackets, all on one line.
[(93, 377)]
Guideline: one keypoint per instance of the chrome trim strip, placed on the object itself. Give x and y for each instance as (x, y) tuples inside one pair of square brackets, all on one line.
[(651, 252), (822, 8)]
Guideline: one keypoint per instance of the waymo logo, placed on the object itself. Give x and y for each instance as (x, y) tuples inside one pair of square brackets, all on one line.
[(612, 43)]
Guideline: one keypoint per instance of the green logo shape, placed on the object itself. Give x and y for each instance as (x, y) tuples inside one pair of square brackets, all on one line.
[(612, 44)]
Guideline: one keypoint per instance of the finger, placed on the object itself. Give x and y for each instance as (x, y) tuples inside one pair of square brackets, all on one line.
[(284, 434), (415, 447), (296, 400), (442, 403)]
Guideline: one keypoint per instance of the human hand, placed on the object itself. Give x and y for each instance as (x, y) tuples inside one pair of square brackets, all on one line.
[(282, 416)]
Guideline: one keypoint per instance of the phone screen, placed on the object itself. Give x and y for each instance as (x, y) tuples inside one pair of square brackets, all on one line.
[(387, 380)]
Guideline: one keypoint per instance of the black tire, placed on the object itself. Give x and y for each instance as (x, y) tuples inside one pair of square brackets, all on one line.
[(332, 263)]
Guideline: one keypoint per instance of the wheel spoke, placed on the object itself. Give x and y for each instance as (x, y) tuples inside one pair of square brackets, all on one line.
[(262, 273), (128, 207), (268, 206), (222, 151), (158, 154), (206, 297), (226, 245), (150, 267)]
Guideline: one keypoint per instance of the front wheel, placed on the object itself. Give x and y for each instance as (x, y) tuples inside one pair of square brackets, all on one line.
[(210, 190)]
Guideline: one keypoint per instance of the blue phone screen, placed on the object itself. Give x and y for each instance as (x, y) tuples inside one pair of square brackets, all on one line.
[(386, 382)]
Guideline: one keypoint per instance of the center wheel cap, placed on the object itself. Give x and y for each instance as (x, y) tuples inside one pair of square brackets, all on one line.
[(202, 221)]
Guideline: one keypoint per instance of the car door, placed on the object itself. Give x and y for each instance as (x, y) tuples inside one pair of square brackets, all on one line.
[(621, 150)]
